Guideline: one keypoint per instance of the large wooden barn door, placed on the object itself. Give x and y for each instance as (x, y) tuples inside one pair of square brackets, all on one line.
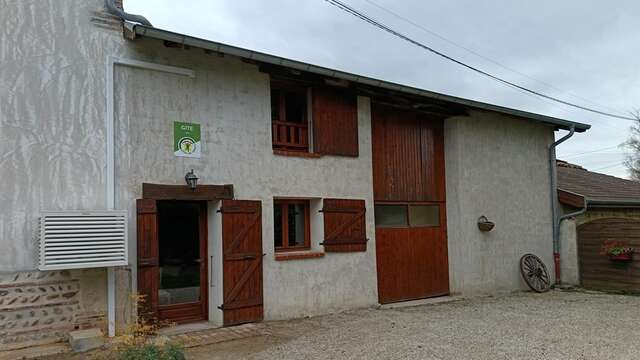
[(596, 270), (410, 211), (242, 261)]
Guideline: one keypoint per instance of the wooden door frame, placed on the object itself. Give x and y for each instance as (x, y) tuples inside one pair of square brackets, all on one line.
[(203, 193), (183, 192), (190, 312)]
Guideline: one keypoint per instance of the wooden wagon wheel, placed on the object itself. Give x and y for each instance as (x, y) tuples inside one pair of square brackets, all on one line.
[(535, 273)]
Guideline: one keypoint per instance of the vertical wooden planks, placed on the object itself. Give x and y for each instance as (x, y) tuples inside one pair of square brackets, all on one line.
[(242, 261), (408, 155), (148, 253), (335, 122), (408, 168), (344, 225), (596, 270)]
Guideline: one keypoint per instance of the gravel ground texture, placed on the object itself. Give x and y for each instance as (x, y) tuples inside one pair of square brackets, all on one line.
[(555, 325)]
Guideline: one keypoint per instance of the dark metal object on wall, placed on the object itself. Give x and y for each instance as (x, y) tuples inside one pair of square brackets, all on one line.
[(484, 224)]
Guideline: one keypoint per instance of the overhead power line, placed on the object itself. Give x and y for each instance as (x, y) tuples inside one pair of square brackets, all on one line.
[(484, 57), (594, 155), (592, 151), (609, 167), (346, 8)]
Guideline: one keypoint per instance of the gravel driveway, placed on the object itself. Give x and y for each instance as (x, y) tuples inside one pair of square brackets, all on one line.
[(556, 325)]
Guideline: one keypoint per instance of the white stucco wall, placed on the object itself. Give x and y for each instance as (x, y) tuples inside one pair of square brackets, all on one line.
[(52, 146), (52, 143), (496, 166), (52, 71), (230, 99)]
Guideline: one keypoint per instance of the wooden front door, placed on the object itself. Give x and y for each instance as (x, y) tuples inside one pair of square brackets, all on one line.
[(410, 210), (242, 261), (172, 259)]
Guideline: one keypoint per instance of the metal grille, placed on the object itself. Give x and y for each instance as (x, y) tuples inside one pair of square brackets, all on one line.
[(76, 240)]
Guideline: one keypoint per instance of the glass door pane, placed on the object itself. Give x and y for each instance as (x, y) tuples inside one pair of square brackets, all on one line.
[(179, 241)]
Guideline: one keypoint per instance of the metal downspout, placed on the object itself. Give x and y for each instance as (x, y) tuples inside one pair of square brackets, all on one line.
[(574, 214), (125, 16), (554, 202)]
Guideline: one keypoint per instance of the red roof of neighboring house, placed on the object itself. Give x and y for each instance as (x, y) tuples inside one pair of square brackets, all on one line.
[(595, 187)]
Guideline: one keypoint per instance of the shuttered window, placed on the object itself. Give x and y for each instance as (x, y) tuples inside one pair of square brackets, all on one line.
[(335, 122), (291, 224), (344, 225)]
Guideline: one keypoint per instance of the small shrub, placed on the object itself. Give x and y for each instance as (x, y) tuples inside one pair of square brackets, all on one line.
[(141, 341), (151, 352)]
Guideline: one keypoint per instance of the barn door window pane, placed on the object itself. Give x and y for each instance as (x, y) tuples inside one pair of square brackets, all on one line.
[(424, 215), (391, 215)]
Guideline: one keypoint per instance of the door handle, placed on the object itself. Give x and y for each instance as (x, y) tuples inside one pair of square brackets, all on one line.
[(211, 270)]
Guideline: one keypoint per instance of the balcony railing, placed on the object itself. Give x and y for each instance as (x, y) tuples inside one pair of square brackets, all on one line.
[(290, 136)]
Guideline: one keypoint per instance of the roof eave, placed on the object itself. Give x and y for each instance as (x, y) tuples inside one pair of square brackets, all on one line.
[(614, 203), (134, 30)]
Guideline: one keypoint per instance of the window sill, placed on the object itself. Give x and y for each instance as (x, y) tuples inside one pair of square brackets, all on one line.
[(296, 153), (298, 255)]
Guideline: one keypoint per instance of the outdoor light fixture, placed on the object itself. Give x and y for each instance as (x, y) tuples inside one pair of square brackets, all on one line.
[(191, 179)]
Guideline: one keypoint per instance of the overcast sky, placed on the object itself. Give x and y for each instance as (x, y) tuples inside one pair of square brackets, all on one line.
[(587, 50)]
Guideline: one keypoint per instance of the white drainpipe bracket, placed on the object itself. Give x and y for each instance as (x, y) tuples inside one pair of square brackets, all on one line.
[(110, 156)]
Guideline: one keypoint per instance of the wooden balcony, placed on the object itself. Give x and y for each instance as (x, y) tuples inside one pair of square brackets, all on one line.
[(290, 136)]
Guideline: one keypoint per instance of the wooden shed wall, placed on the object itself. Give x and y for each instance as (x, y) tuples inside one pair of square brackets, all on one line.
[(596, 270)]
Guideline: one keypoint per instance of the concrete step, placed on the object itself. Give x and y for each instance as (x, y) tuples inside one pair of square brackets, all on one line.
[(85, 340)]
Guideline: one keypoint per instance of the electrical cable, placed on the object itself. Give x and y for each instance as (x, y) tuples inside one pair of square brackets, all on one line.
[(383, 27), (591, 152), (486, 58)]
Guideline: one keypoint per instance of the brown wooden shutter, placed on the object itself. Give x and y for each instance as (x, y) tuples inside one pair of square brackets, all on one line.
[(148, 252), (242, 261), (335, 122), (344, 225)]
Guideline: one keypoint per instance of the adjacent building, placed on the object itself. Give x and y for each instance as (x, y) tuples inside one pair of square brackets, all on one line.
[(601, 212)]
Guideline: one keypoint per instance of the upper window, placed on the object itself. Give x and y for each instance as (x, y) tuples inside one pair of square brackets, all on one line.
[(407, 215), (291, 225), (318, 119), (289, 119)]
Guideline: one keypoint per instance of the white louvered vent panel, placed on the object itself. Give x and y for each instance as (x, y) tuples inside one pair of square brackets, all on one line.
[(76, 240)]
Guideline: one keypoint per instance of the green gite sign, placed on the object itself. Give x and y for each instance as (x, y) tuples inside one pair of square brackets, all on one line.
[(186, 139)]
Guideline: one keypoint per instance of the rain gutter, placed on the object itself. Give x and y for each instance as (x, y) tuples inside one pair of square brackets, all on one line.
[(134, 31)]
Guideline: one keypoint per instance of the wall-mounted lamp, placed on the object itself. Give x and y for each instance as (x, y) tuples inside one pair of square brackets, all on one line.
[(191, 179), (484, 224)]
